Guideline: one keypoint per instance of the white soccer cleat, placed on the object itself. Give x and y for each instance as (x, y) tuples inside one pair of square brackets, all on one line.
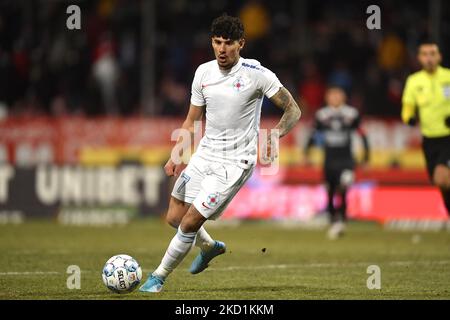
[(336, 230)]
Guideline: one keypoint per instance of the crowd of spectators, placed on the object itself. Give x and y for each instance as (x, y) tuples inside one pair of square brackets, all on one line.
[(47, 69)]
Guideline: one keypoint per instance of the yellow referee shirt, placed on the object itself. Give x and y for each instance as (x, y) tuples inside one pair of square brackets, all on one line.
[(431, 95)]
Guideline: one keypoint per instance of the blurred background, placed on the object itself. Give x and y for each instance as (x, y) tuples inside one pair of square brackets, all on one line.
[(86, 116)]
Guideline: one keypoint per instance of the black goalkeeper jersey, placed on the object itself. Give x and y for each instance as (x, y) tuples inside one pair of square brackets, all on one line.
[(333, 128)]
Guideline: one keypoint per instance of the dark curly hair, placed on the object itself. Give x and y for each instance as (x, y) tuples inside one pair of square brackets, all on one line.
[(227, 27)]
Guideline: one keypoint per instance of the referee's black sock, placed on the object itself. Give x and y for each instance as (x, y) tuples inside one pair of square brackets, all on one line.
[(446, 196)]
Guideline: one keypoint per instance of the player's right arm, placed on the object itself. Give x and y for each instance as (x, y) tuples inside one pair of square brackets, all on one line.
[(409, 104), (173, 166)]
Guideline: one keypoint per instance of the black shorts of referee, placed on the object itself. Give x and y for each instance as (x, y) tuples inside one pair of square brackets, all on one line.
[(437, 151)]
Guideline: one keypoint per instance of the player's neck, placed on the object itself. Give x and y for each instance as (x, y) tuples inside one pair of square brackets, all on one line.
[(432, 71), (231, 66)]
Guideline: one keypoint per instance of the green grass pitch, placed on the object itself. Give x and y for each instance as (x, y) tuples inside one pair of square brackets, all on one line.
[(296, 263)]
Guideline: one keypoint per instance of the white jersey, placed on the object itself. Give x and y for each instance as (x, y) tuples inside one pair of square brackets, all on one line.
[(233, 100)]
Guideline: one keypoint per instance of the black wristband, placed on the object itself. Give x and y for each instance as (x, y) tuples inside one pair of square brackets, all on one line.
[(412, 122), (447, 121)]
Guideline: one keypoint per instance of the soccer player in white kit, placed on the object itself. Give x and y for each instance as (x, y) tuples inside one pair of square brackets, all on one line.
[(230, 89)]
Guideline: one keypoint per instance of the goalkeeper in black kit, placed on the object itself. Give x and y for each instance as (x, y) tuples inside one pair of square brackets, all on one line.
[(334, 125)]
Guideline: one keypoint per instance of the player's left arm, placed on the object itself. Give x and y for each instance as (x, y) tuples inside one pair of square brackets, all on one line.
[(284, 100), (365, 142), (361, 132)]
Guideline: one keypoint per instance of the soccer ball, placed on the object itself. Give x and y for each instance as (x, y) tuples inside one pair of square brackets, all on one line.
[(121, 274)]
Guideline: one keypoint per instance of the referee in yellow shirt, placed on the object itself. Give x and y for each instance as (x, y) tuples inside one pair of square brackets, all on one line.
[(426, 99)]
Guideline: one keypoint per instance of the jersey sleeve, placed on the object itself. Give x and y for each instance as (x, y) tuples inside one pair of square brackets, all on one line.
[(317, 128), (197, 98), (317, 124), (408, 93), (269, 83), (408, 101), (356, 121)]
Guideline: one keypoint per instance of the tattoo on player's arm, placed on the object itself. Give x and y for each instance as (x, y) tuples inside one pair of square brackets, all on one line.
[(284, 100)]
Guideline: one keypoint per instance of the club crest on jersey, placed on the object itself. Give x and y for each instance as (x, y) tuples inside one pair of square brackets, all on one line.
[(213, 199), (238, 84)]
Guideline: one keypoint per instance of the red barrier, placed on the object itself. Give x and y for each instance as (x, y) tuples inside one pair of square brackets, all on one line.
[(385, 176), (397, 203), (303, 203)]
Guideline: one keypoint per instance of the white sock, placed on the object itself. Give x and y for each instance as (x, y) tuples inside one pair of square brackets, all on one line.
[(175, 253), (203, 240)]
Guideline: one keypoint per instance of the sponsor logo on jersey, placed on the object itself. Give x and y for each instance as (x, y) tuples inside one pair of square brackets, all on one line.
[(336, 124), (252, 66)]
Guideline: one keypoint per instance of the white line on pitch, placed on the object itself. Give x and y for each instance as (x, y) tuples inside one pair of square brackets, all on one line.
[(268, 266), (25, 273), (327, 265), (32, 273)]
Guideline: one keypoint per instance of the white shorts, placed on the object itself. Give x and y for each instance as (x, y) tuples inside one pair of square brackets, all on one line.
[(210, 186)]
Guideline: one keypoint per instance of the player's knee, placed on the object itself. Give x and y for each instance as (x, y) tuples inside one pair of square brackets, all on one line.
[(441, 182), (192, 221), (441, 177), (175, 213), (342, 189), (173, 220), (346, 180), (188, 224)]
